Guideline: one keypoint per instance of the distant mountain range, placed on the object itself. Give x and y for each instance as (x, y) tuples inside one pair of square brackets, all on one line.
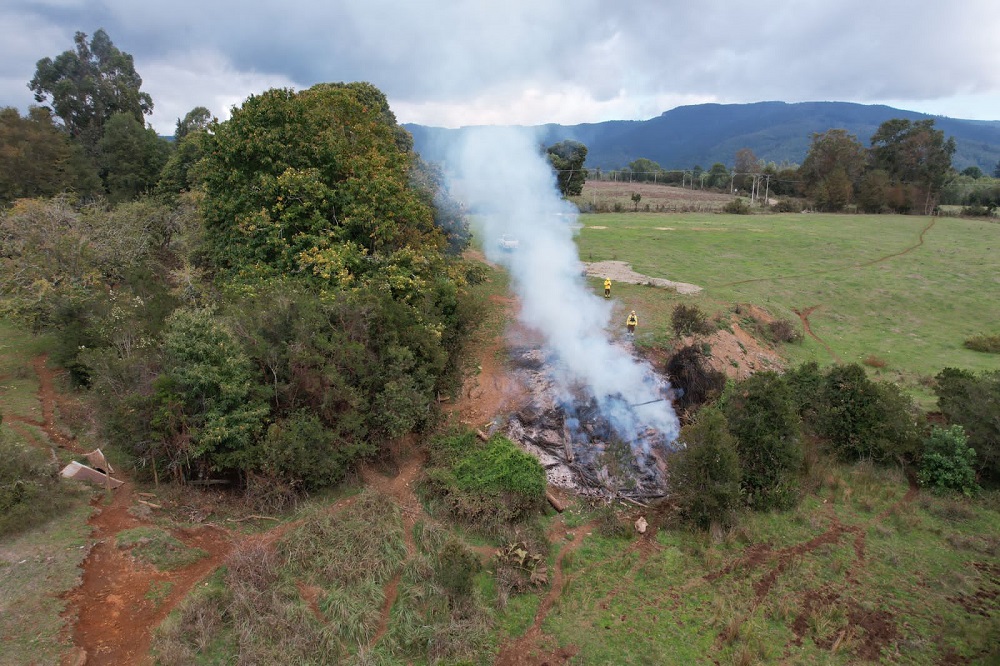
[(704, 134)]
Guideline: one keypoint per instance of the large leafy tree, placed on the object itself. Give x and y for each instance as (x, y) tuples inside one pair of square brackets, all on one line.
[(37, 159), (131, 157), (90, 84), (832, 168), (315, 183), (916, 156), (567, 159)]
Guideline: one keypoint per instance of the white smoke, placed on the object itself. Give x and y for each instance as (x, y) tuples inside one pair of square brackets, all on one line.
[(504, 178)]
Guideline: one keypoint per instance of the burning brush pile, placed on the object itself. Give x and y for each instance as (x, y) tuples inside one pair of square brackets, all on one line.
[(594, 446)]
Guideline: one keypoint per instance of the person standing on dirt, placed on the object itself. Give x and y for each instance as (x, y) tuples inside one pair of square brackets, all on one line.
[(607, 287), (631, 323)]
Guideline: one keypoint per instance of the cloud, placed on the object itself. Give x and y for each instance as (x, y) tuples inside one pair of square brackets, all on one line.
[(524, 61)]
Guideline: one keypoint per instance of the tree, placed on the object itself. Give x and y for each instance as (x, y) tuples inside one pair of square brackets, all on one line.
[(718, 176), (196, 120), (747, 167), (762, 416), (646, 170), (972, 400), (914, 153), (37, 159), (832, 169), (86, 87), (973, 172), (567, 159), (866, 419), (948, 463), (130, 157), (996, 170), (705, 474), (313, 183)]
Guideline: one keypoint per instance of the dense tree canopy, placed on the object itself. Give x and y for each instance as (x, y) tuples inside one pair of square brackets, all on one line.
[(567, 159), (916, 157), (87, 86), (38, 159), (833, 165)]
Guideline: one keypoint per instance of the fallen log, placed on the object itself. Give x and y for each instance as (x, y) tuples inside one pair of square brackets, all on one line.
[(555, 502), (482, 435)]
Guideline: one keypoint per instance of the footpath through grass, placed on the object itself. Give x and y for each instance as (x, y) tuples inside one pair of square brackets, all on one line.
[(913, 311)]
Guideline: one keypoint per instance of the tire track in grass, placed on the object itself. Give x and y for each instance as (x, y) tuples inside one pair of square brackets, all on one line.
[(863, 264), (804, 316)]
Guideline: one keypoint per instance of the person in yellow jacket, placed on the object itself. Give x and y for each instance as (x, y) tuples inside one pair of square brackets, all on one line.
[(607, 287), (631, 322)]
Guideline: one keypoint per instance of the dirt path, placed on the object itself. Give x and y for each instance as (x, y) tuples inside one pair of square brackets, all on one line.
[(121, 601), (534, 648), (400, 488), (863, 264), (804, 316)]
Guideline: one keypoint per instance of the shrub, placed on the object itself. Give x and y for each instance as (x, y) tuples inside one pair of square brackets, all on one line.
[(689, 320), (705, 476), (787, 206), (782, 330), (485, 484), (973, 401), (762, 417), (302, 449), (689, 371), (865, 419), (455, 568), (984, 343), (737, 206), (30, 492), (948, 462), (805, 382)]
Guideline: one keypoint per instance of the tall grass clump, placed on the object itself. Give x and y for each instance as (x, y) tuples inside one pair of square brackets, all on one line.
[(485, 484)]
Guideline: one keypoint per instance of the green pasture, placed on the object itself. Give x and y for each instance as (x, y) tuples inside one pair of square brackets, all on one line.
[(912, 310)]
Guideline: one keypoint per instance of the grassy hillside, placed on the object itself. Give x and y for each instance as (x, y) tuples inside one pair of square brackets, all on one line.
[(906, 290)]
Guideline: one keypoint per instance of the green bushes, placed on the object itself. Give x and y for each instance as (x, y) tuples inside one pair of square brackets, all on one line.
[(737, 206), (973, 401), (863, 419), (762, 418), (948, 463), (484, 484), (705, 476)]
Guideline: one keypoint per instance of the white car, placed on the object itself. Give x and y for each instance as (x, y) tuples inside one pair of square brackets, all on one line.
[(508, 242)]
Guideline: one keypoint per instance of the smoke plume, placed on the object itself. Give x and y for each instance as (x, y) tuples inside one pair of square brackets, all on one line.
[(502, 175)]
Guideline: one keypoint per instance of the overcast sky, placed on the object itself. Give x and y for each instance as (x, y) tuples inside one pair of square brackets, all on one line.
[(450, 63)]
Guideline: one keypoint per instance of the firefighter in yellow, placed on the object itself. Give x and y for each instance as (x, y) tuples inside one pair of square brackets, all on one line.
[(631, 322), (607, 287)]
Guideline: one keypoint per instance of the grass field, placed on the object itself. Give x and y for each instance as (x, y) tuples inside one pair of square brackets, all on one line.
[(907, 290)]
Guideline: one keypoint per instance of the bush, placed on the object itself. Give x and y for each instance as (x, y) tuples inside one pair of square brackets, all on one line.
[(948, 462), (787, 206), (487, 484), (455, 568), (705, 476), (805, 382), (782, 330), (30, 492), (689, 371), (689, 320), (984, 343), (973, 402), (737, 206), (302, 449), (762, 417), (865, 419)]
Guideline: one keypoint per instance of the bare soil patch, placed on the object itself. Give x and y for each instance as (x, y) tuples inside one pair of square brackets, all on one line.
[(621, 271)]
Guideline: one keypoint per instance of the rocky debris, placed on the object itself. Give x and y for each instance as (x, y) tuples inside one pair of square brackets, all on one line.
[(575, 443)]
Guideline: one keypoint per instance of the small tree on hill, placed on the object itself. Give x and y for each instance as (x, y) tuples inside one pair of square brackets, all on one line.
[(762, 417), (948, 462), (705, 476)]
